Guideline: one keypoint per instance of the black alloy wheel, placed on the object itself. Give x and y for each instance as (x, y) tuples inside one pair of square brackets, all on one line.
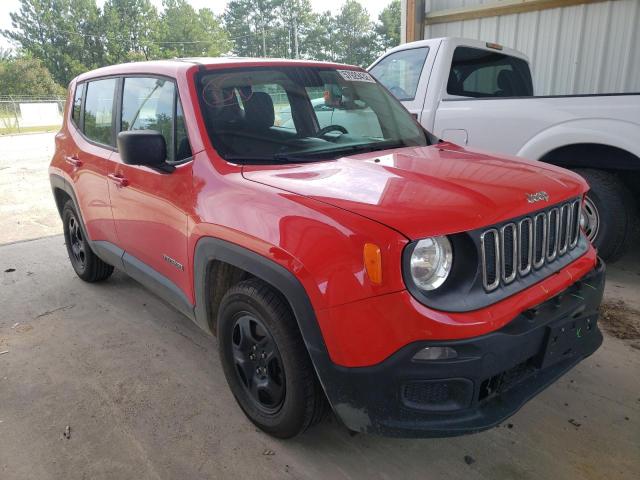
[(258, 363), (87, 265), (76, 243)]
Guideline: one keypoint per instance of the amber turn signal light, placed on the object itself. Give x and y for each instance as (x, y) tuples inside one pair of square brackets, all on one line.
[(373, 262)]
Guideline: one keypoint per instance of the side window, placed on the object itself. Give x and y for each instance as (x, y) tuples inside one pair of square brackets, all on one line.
[(77, 104), (281, 107), (98, 111), (483, 73), (183, 148), (338, 104), (321, 105), (400, 72), (147, 104)]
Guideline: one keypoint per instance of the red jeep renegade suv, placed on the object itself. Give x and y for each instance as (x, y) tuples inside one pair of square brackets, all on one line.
[(343, 256)]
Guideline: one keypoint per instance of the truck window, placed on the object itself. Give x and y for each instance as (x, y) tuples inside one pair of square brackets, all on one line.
[(98, 111), (400, 72), (482, 73)]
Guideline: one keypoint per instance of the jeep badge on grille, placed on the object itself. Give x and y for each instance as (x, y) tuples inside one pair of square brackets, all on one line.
[(538, 196)]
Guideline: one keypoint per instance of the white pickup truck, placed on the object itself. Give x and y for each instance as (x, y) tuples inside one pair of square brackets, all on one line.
[(481, 94)]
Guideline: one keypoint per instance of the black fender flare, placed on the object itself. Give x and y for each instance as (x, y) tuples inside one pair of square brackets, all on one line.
[(210, 249), (59, 182)]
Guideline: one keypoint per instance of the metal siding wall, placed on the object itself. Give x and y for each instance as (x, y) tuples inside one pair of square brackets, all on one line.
[(589, 48)]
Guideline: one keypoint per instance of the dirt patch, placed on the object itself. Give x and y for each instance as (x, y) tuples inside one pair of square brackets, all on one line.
[(620, 320), (23, 328)]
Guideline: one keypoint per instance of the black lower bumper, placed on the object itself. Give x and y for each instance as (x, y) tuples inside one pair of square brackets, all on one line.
[(489, 380)]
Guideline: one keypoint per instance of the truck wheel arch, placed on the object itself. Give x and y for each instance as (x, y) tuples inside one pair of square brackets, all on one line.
[(592, 155), (579, 136)]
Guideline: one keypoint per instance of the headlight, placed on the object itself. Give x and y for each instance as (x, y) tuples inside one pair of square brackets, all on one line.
[(430, 262)]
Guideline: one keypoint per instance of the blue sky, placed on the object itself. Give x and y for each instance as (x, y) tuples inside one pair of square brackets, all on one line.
[(373, 6)]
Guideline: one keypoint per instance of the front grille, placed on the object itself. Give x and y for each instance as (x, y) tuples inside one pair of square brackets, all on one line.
[(519, 247)]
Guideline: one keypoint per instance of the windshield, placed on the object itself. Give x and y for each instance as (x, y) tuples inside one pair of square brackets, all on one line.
[(292, 114)]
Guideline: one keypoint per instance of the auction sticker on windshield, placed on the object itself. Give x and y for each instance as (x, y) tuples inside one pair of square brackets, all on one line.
[(356, 76)]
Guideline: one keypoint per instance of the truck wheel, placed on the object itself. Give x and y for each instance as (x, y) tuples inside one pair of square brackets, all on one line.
[(608, 214), (85, 263), (266, 362)]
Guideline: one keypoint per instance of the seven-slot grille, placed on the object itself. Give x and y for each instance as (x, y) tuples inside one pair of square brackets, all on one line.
[(520, 246)]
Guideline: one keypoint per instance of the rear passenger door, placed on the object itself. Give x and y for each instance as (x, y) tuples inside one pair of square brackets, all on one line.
[(88, 154), (150, 207)]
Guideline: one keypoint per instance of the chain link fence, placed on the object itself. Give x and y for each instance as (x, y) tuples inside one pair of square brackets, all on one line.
[(30, 113)]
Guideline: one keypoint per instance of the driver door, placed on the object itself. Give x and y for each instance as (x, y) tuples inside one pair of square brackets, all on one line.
[(150, 207)]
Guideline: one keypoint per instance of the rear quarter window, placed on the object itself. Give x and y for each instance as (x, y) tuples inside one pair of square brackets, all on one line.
[(483, 73), (77, 104), (98, 111)]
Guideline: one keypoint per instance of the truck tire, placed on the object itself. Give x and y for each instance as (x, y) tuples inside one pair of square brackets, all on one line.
[(85, 263), (608, 214), (265, 360)]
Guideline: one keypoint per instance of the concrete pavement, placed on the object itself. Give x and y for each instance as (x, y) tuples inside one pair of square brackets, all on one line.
[(143, 392)]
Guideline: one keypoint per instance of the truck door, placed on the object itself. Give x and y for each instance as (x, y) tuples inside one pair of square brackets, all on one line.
[(405, 73), (476, 101)]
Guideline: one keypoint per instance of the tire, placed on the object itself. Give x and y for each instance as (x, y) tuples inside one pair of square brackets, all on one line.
[(612, 206), (84, 261), (284, 398)]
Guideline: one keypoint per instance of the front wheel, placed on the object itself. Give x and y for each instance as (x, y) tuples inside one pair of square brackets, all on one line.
[(608, 213), (266, 362)]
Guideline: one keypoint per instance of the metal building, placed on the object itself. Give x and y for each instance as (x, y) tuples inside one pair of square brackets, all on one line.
[(575, 46)]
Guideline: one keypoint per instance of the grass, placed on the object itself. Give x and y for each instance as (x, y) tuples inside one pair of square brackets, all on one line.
[(16, 131)]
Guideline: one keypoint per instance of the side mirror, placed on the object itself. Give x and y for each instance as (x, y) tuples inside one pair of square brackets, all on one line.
[(143, 147)]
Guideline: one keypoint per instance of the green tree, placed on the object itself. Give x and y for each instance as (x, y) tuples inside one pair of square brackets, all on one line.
[(186, 33), (5, 54), (356, 41), (58, 32), (130, 30), (252, 26), (27, 76), (320, 40), (297, 22), (389, 27)]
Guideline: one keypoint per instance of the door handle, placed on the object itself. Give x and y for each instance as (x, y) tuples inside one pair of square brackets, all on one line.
[(73, 160), (118, 179)]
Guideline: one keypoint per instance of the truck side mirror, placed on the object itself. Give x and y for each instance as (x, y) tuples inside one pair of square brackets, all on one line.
[(143, 147)]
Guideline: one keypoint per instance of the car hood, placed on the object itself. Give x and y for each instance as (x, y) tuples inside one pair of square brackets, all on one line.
[(423, 191)]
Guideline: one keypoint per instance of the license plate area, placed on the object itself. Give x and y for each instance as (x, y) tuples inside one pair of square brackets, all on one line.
[(565, 339)]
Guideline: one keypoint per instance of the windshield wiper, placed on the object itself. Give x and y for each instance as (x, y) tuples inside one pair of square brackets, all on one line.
[(276, 159), (312, 156), (364, 148)]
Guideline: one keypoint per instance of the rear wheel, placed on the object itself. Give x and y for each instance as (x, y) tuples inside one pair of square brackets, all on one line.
[(266, 362), (608, 213), (85, 263)]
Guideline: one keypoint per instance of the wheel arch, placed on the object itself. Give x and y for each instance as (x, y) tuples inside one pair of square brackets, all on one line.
[(588, 139), (62, 192), (592, 155), (214, 254)]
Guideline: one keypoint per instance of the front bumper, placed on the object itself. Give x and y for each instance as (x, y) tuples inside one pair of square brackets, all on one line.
[(492, 377)]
